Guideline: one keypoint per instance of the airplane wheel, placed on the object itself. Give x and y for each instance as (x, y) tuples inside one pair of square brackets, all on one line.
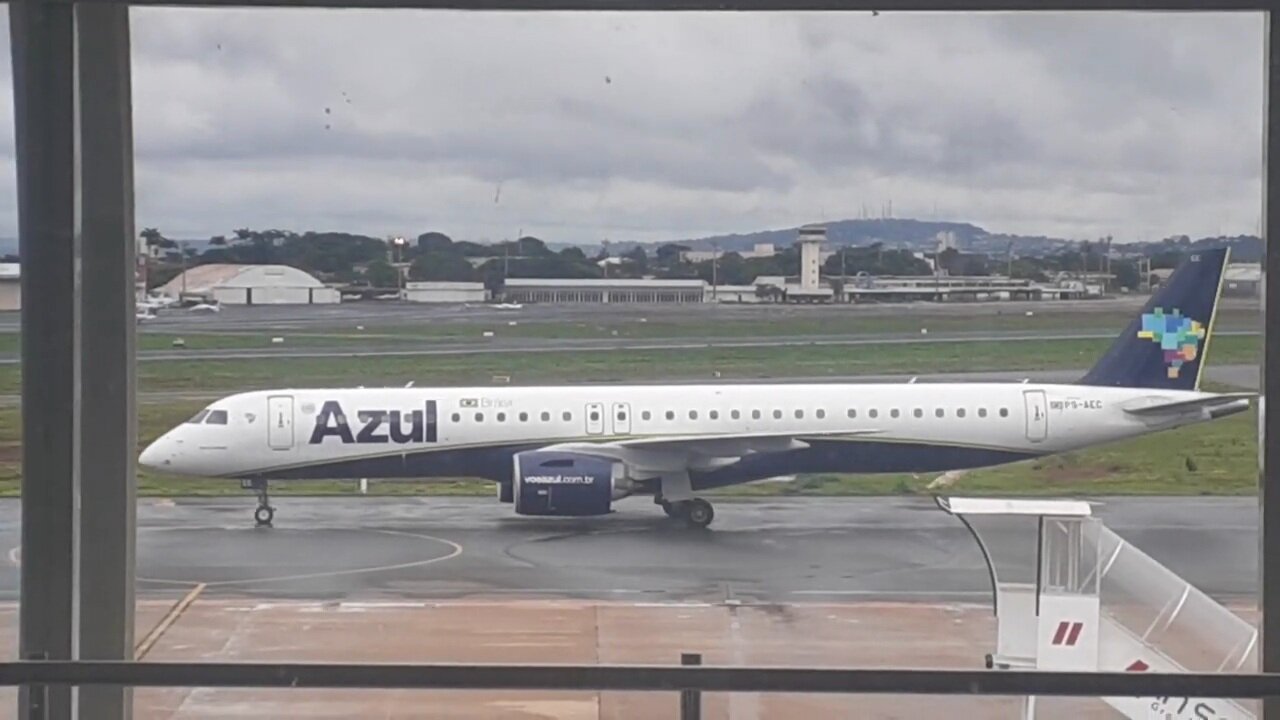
[(699, 513), (264, 515), (673, 510)]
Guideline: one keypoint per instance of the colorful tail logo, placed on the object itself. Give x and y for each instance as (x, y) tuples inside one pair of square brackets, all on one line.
[(1179, 337)]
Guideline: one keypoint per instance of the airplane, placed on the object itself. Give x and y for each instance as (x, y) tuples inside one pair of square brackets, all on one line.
[(152, 303), (575, 450)]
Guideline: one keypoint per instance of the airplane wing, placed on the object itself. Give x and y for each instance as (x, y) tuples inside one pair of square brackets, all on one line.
[(1236, 400), (672, 452)]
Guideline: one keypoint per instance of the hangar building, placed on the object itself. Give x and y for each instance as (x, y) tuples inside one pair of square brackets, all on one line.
[(250, 285), (10, 286), (538, 290)]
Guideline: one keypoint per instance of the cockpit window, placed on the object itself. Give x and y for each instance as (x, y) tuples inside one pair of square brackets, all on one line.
[(198, 417), (216, 417)]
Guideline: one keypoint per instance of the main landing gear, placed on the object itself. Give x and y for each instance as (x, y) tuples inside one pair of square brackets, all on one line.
[(263, 516), (696, 512)]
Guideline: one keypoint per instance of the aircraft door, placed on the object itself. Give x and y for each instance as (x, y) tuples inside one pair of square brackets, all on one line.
[(280, 422), (595, 418), (622, 418), (1037, 415)]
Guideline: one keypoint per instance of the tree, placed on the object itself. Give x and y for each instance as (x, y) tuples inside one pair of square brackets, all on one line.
[(1127, 275), (491, 274), (837, 288), (670, 253), (729, 269), (574, 254), (160, 275), (770, 293), (638, 257), (153, 238), (530, 246), (442, 267), (1028, 269), (948, 260), (380, 274), (218, 240), (434, 242)]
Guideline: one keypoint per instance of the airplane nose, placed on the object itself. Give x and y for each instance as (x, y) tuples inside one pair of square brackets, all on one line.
[(155, 456)]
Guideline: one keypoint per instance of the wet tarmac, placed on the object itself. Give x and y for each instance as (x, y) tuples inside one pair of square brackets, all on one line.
[(777, 550), (837, 582)]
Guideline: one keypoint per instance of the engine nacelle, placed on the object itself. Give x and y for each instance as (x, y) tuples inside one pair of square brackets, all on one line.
[(567, 484)]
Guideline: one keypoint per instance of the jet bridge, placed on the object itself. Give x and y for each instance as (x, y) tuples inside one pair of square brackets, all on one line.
[(1069, 594)]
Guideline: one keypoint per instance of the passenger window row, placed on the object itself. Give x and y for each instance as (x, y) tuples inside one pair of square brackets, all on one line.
[(523, 417), (820, 414)]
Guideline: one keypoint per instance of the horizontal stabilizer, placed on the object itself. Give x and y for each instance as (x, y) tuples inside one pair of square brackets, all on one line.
[(1235, 400)]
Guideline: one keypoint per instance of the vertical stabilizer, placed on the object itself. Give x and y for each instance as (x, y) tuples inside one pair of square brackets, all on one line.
[(1164, 347)]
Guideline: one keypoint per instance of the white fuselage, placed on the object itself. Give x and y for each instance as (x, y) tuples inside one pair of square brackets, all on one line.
[(451, 432)]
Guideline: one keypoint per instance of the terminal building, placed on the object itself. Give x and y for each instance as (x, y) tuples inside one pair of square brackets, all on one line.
[(1239, 280), (445, 292), (604, 290), (249, 285)]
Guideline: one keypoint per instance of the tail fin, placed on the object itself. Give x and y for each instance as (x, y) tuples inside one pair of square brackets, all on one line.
[(1165, 346)]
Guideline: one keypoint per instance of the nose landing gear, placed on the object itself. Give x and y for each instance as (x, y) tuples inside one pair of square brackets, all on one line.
[(263, 516)]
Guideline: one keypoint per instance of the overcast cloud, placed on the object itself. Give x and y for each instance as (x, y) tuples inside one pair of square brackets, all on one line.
[(579, 127)]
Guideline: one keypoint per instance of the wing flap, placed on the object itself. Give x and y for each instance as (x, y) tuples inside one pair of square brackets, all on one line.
[(662, 450), (680, 440)]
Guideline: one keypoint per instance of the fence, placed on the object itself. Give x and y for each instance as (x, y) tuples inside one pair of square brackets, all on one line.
[(690, 679)]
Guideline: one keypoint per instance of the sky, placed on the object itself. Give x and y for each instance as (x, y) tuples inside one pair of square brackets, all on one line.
[(580, 127)]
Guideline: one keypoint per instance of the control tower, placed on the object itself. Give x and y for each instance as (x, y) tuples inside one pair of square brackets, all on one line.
[(810, 241)]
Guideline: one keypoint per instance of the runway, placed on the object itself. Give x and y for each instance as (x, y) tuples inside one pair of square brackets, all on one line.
[(553, 345), (375, 313), (779, 550), (361, 322)]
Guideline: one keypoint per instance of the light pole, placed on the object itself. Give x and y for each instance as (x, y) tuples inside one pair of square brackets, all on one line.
[(182, 258), (398, 243), (715, 256)]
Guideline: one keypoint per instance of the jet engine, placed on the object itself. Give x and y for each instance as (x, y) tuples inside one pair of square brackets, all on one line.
[(567, 484)]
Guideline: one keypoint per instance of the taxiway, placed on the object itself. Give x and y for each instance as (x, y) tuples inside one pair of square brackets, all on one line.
[(777, 550)]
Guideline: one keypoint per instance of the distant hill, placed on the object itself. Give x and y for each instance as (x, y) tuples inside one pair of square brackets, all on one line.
[(922, 235), (1244, 248), (904, 233), (893, 232), (917, 235)]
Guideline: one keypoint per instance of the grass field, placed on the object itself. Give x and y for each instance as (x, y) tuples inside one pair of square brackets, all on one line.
[(781, 320), (764, 322), (815, 361), (1217, 458)]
